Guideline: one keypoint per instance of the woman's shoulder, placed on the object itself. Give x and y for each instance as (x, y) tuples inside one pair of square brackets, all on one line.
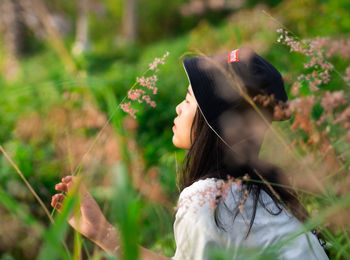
[(203, 195), (198, 186)]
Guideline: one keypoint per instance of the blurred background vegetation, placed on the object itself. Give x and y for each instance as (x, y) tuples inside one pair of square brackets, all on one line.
[(67, 65)]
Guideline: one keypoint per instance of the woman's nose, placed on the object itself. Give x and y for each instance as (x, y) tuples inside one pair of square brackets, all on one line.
[(178, 109)]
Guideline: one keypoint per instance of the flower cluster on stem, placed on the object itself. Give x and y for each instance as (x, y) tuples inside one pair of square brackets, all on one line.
[(332, 107), (318, 67), (147, 84)]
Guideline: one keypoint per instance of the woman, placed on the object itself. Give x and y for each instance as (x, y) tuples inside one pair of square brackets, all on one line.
[(226, 202)]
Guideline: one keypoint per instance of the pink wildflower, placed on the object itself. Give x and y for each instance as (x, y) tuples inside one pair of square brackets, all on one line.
[(135, 94), (154, 64), (332, 100), (149, 84), (126, 108), (295, 88), (314, 50), (149, 101), (343, 117), (313, 86)]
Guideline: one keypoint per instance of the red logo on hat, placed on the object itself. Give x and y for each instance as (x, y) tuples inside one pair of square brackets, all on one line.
[(233, 56)]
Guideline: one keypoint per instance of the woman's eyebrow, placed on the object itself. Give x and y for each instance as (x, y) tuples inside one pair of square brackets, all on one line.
[(188, 91)]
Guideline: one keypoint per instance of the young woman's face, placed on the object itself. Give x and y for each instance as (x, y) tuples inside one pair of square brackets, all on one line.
[(186, 111)]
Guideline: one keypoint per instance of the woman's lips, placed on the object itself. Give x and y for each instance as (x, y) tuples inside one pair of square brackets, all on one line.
[(174, 127)]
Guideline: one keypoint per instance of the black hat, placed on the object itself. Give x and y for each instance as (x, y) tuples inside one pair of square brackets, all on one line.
[(222, 85)]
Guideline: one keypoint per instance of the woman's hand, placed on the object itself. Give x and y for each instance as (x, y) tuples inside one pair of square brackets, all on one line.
[(89, 220)]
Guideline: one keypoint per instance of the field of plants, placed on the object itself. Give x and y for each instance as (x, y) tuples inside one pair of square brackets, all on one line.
[(90, 87)]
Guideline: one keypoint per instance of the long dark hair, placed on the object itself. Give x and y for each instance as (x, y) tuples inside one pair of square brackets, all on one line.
[(209, 157)]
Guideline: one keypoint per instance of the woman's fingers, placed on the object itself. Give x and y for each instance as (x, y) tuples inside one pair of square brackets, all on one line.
[(66, 184), (57, 200), (67, 179), (61, 187), (58, 206)]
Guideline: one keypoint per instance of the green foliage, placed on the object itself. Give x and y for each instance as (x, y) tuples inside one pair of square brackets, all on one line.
[(126, 208), (301, 17), (53, 248)]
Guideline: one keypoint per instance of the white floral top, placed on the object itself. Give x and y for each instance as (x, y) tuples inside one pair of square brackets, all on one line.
[(197, 235)]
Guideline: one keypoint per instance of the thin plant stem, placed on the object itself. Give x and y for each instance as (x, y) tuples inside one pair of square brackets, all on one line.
[(32, 191), (104, 126), (27, 184)]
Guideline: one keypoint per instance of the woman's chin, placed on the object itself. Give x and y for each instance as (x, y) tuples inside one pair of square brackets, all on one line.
[(176, 142)]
